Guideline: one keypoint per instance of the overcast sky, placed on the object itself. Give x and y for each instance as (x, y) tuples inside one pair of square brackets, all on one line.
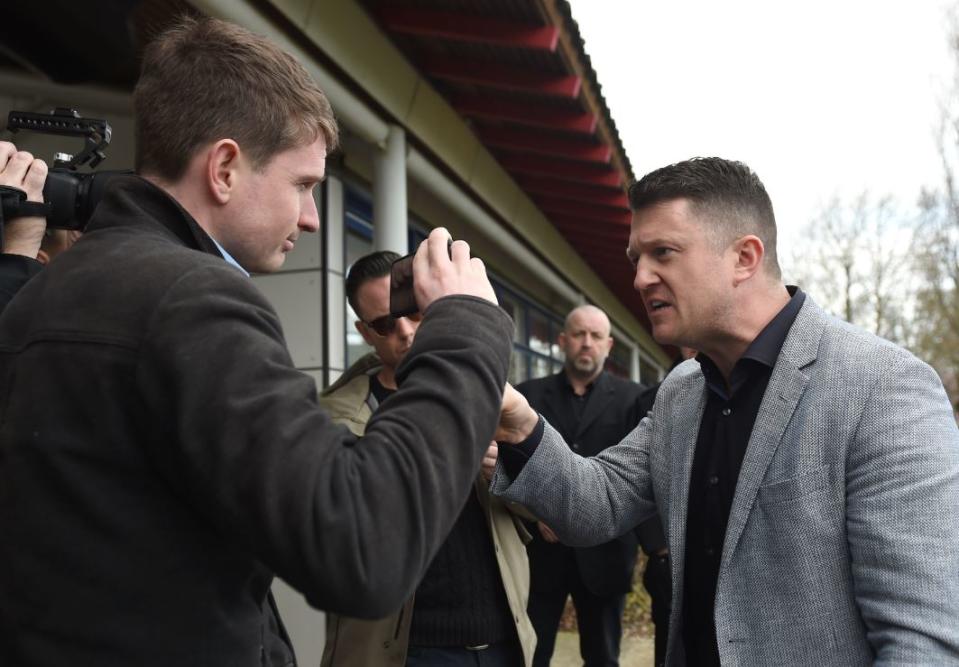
[(818, 97)]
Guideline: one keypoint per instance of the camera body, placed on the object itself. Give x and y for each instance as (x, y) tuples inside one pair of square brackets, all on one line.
[(402, 297), (71, 196)]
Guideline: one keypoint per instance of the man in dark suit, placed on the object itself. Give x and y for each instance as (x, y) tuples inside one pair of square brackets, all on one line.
[(593, 410)]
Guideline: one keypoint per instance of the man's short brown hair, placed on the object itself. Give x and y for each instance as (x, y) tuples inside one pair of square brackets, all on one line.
[(725, 194), (204, 80)]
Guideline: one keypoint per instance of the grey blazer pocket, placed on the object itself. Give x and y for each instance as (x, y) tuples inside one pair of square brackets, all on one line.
[(797, 487)]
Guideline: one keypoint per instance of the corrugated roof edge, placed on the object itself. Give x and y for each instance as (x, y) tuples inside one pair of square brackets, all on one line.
[(573, 27)]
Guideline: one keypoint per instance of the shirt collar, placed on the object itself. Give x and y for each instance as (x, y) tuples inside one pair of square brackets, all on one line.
[(769, 343), (228, 257), (569, 385), (764, 349)]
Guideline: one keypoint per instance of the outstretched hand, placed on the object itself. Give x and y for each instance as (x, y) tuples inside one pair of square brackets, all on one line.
[(516, 419)]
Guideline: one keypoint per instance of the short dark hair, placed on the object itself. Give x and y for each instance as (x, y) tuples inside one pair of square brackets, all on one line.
[(375, 265), (726, 193), (204, 79)]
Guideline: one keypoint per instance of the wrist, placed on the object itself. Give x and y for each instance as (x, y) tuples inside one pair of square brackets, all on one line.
[(24, 249), (23, 238), (525, 427)]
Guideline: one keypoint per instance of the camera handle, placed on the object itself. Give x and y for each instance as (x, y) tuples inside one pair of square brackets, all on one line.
[(67, 122)]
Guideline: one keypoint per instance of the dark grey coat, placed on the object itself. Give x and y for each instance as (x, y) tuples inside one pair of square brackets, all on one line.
[(161, 458)]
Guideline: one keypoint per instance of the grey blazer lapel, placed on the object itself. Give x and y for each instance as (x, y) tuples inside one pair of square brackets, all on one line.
[(786, 387), (685, 431)]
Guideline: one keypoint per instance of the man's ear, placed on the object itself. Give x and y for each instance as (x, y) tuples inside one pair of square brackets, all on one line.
[(609, 344), (223, 161), (749, 258), (364, 331)]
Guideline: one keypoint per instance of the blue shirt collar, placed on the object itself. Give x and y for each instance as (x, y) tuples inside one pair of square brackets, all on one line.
[(229, 258)]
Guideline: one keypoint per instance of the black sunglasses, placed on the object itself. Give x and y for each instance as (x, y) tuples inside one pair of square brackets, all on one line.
[(384, 326)]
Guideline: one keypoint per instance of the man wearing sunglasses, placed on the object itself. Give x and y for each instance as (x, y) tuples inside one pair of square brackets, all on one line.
[(471, 604)]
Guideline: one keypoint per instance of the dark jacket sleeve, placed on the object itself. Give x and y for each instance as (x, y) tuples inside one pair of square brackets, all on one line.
[(351, 523), (15, 271)]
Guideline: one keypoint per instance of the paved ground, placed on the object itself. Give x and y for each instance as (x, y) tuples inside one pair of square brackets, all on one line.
[(635, 652)]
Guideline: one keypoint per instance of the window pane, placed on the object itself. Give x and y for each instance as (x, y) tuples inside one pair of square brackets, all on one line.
[(517, 367), (539, 366), (356, 247), (356, 347), (648, 374), (539, 333), (615, 368), (514, 309), (619, 361), (556, 350)]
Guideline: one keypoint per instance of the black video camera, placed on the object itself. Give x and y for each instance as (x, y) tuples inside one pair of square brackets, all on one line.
[(70, 196), (402, 297)]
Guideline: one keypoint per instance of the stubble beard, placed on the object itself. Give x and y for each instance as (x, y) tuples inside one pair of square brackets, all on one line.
[(583, 368)]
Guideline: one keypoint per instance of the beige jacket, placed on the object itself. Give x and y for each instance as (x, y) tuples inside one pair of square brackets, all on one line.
[(352, 642)]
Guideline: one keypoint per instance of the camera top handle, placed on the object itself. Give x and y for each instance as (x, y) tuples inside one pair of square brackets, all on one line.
[(67, 122)]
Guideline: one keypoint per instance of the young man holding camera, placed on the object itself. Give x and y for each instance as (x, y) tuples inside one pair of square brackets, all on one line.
[(160, 456)]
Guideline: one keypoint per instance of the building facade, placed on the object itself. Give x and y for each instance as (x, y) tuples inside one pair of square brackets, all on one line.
[(480, 116)]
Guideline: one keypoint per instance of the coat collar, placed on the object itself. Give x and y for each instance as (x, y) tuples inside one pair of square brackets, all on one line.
[(133, 201)]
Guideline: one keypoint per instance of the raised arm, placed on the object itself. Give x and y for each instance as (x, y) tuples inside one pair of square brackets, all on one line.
[(586, 501)]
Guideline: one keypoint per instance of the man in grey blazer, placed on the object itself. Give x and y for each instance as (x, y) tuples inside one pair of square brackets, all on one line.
[(807, 472)]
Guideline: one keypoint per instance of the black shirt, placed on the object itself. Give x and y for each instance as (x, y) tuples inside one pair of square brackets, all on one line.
[(575, 405), (727, 423), (380, 393)]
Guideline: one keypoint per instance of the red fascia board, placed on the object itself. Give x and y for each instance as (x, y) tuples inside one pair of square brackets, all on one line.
[(545, 145), (612, 254), (533, 115), (584, 238), (504, 77), (466, 28), (599, 259), (613, 197), (594, 174), (590, 226), (613, 251), (580, 209)]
